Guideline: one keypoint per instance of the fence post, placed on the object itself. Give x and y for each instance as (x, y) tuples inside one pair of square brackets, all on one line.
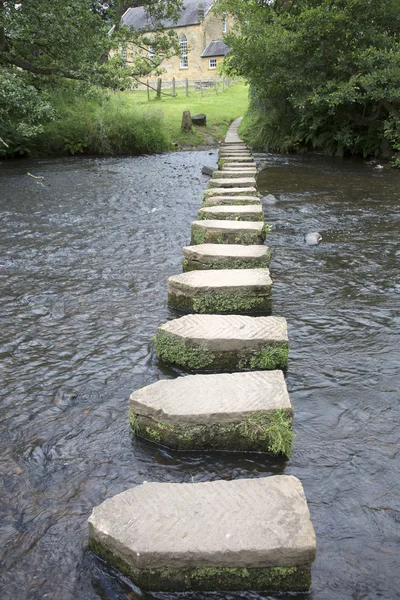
[(159, 84), (148, 90), (173, 87), (201, 86), (187, 87)]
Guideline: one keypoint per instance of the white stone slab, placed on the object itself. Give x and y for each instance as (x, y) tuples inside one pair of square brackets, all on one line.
[(246, 523), (225, 256), (234, 173), (251, 212), (237, 159), (232, 182), (212, 399), (231, 200), (238, 165), (230, 191)]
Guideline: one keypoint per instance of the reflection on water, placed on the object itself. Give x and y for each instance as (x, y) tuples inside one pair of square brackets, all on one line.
[(86, 253)]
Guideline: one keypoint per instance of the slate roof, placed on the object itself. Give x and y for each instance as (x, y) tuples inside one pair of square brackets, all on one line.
[(215, 48), (137, 17)]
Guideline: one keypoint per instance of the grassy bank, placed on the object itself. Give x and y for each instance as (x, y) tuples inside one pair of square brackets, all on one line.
[(126, 123)]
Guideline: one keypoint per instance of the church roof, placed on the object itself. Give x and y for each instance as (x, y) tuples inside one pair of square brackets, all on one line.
[(138, 19), (215, 48)]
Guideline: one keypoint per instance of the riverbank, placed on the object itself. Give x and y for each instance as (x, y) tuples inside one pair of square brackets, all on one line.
[(128, 124)]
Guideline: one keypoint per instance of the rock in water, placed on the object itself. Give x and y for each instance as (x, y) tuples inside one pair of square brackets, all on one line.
[(248, 534), (208, 170), (269, 199), (313, 239)]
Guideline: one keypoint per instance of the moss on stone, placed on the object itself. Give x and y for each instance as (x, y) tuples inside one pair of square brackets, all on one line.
[(238, 302), (165, 579), (238, 192), (268, 358), (229, 217), (259, 432), (253, 263), (201, 235), (231, 200), (174, 351)]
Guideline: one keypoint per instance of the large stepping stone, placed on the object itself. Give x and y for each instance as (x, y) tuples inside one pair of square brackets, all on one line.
[(215, 231), (236, 411), (227, 153), (237, 159), (230, 191), (233, 291), (237, 165), (247, 534), (231, 200), (225, 256), (251, 212), (234, 173), (233, 182), (219, 343)]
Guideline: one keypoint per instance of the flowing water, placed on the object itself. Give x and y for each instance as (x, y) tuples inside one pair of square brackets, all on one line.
[(86, 251)]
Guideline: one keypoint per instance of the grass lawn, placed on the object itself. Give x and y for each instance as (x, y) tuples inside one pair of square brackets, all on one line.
[(221, 109)]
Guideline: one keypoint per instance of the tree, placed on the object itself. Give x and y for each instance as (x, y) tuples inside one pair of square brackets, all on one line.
[(43, 43), (323, 73)]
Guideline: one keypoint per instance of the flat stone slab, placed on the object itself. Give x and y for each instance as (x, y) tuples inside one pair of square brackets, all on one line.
[(234, 173), (237, 165), (236, 411), (220, 343), (230, 191), (225, 256), (233, 291), (229, 535), (232, 182), (237, 159), (231, 200), (251, 212), (217, 231)]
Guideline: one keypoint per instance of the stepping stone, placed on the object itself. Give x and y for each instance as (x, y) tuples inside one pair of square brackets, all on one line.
[(246, 534), (237, 165), (236, 411), (233, 291), (234, 173), (237, 159), (231, 200), (219, 343), (224, 153), (230, 191), (214, 231), (252, 212), (232, 182), (225, 256)]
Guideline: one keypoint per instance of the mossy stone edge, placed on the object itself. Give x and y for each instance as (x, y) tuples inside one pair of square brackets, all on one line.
[(228, 263), (271, 579), (222, 302), (201, 235), (260, 432), (175, 351), (238, 217)]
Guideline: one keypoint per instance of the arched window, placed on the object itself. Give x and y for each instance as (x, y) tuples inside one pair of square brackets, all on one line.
[(122, 51), (184, 52), (224, 25)]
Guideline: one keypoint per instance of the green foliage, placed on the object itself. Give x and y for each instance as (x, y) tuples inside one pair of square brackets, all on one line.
[(103, 125), (323, 74), (275, 427)]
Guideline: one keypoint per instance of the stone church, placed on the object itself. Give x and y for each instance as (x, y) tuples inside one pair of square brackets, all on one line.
[(200, 34)]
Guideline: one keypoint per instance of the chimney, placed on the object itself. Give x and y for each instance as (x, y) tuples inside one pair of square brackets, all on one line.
[(200, 12)]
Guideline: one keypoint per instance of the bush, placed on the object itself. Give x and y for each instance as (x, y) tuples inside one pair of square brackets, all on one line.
[(100, 124)]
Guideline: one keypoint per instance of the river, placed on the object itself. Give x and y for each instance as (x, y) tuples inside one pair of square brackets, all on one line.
[(87, 246)]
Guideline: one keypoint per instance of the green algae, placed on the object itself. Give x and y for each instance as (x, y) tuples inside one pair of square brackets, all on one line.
[(230, 200), (259, 432), (268, 358), (167, 579), (199, 235), (173, 350), (237, 302)]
